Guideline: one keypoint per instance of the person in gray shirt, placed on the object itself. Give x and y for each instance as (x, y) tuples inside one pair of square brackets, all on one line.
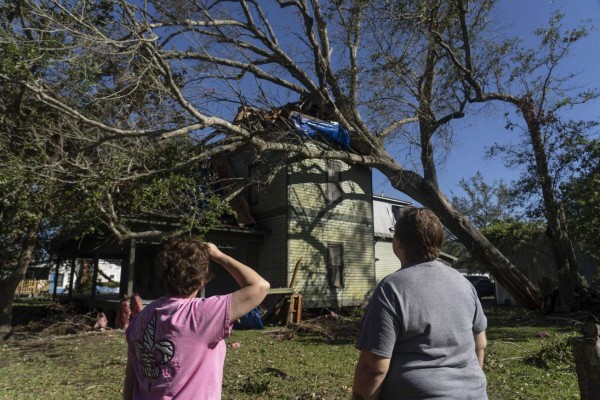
[(423, 334)]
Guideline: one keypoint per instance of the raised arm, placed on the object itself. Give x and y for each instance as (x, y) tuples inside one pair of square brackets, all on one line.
[(480, 345), (253, 287)]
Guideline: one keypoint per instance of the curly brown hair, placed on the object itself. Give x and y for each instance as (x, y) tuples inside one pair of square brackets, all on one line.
[(420, 234), (183, 264)]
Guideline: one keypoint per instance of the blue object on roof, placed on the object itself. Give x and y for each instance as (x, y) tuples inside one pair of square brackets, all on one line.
[(330, 130)]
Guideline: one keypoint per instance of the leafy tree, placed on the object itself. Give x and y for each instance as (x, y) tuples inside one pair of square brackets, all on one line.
[(482, 203), (529, 80), (61, 176), (485, 205), (382, 69), (582, 200)]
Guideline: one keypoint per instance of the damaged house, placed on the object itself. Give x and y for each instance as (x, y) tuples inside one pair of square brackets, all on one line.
[(305, 225)]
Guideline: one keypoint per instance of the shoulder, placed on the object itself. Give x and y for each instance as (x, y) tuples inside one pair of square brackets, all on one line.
[(212, 302)]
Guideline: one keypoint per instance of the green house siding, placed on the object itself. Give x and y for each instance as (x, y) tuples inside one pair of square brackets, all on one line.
[(301, 214), (315, 222)]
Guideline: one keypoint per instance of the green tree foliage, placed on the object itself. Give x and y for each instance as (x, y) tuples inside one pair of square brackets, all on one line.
[(486, 205), (61, 177), (373, 66), (530, 80), (581, 195), (483, 203)]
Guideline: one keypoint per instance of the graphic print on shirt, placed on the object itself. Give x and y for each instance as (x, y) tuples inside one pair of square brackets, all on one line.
[(151, 354)]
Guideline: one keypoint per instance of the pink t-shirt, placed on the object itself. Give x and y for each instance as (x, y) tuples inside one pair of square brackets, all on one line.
[(177, 349)]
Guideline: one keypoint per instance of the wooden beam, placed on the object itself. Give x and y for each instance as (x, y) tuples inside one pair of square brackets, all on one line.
[(56, 277)]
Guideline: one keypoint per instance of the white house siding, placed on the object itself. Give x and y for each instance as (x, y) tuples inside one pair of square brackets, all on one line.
[(111, 268), (314, 223), (386, 261)]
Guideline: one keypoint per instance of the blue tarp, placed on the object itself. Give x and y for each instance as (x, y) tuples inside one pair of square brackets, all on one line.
[(330, 130), (249, 321)]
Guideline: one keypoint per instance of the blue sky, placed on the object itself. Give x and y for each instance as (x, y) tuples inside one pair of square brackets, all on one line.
[(473, 136)]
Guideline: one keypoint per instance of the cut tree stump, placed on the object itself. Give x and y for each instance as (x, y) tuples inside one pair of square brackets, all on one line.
[(586, 351)]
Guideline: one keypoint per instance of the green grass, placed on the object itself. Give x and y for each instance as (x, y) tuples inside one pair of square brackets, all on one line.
[(316, 363)]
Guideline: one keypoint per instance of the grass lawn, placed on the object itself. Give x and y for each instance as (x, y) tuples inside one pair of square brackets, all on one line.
[(528, 358)]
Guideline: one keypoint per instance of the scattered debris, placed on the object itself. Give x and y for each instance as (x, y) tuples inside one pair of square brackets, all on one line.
[(278, 373), (331, 327), (59, 319), (283, 334), (542, 335), (234, 345), (101, 321)]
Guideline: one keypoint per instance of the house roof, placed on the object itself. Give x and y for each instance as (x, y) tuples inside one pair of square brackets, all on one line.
[(391, 200)]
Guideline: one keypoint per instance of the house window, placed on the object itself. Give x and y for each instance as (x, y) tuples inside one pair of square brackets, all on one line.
[(254, 188), (335, 265), (334, 190)]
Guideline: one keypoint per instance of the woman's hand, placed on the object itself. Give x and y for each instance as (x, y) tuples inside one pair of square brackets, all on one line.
[(213, 252)]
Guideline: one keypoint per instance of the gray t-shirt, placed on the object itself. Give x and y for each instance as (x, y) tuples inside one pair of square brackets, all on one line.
[(423, 317)]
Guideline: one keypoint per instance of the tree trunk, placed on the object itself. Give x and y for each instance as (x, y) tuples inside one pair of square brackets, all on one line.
[(498, 265), (8, 285), (570, 280)]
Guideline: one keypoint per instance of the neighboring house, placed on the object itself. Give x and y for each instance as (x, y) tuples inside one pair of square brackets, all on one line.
[(385, 214), (58, 274), (108, 271)]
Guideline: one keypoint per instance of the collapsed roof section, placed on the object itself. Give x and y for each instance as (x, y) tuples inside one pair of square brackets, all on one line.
[(284, 123)]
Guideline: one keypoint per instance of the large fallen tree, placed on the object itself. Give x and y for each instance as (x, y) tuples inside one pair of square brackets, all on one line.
[(379, 69)]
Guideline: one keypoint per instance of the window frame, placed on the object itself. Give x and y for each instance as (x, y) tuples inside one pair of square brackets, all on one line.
[(254, 187), (333, 190), (335, 273)]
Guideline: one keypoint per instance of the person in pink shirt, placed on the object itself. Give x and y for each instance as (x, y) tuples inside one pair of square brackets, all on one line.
[(175, 344)]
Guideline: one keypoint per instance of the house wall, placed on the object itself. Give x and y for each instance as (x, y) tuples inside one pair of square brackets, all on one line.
[(386, 261), (314, 223), (270, 214), (111, 268), (242, 247)]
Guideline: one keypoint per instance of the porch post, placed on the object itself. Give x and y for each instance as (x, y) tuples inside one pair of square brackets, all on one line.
[(95, 275), (127, 273), (54, 289), (71, 277)]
